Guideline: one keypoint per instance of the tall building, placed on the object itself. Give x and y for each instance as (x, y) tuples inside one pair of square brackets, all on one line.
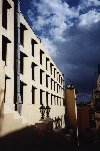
[(31, 76), (71, 108)]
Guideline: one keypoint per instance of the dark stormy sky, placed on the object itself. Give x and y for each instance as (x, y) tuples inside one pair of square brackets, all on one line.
[(70, 32)]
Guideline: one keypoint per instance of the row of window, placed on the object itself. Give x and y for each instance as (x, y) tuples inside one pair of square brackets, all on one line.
[(5, 41), (54, 85), (55, 100), (33, 66), (49, 65), (53, 71)]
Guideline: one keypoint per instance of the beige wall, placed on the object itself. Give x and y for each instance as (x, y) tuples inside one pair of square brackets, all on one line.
[(29, 110), (9, 66), (2, 84)]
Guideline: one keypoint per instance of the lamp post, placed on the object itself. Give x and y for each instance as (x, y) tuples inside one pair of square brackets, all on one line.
[(42, 111), (47, 110)]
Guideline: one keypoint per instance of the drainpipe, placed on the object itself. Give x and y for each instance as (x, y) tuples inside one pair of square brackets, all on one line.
[(17, 98)]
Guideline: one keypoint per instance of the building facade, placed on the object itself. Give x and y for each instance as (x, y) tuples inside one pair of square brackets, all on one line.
[(86, 119), (41, 82), (83, 119), (96, 100), (31, 76)]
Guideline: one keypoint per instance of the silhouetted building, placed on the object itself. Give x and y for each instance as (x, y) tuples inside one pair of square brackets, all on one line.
[(96, 100), (83, 119), (92, 117), (86, 119)]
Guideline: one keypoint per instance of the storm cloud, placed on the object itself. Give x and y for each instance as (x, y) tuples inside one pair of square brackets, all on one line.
[(79, 57)]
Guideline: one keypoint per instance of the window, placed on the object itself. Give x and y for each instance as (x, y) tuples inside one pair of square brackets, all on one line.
[(33, 66), (22, 55), (54, 85), (22, 84), (54, 72), (41, 96), (57, 88), (41, 75), (59, 78), (22, 29), (47, 95), (33, 42), (60, 101), (47, 59), (51, 68), (57, 100), (5, 41), (6, 6), (51, 98), (21, 62), (41, 56), (61, 91), (57, 75), (33, 95), (54, 100), (51, 84), (47, 80)]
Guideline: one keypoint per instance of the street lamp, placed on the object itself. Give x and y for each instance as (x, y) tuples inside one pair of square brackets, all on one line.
[(42, 111), (47, 110)]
